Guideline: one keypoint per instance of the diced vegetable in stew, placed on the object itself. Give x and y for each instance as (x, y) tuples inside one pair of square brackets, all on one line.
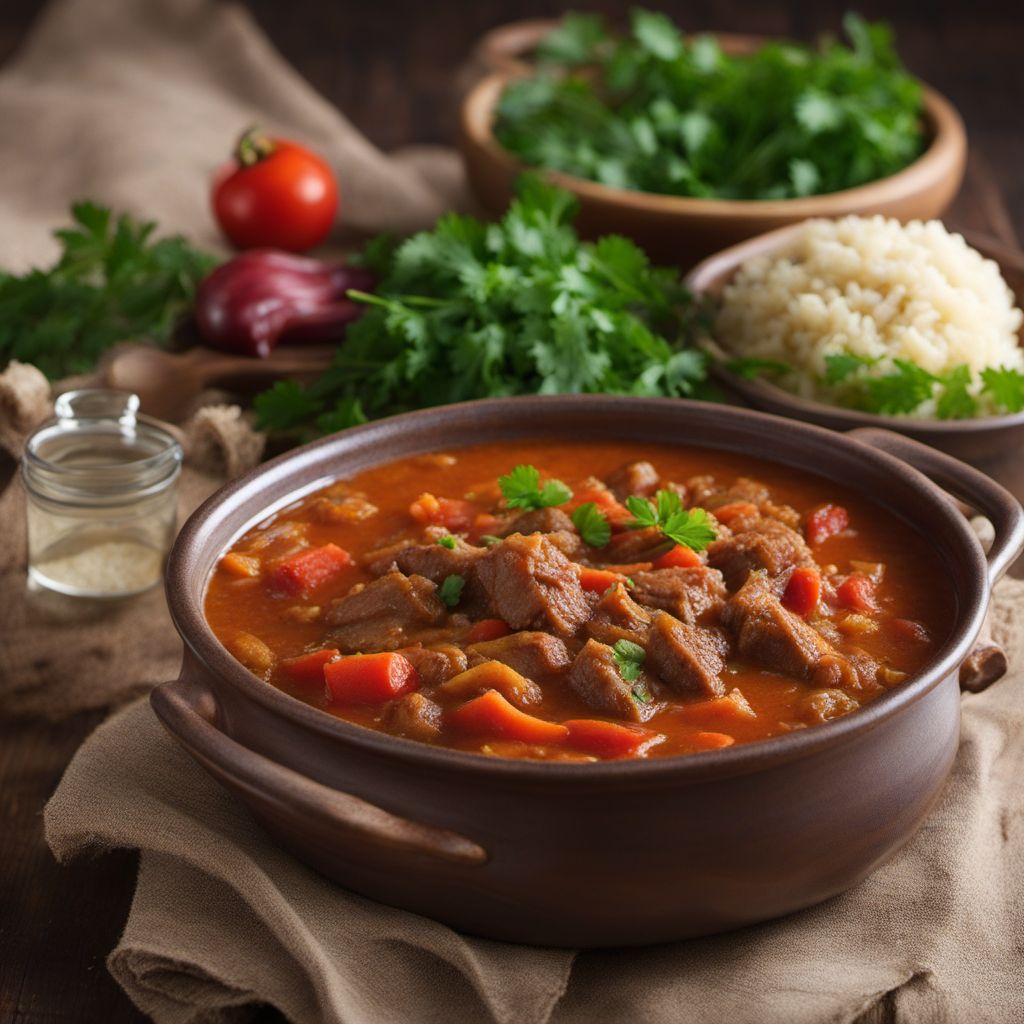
[(582, 602)]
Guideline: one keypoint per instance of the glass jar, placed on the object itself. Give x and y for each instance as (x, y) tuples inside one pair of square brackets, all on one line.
[(101, 485)]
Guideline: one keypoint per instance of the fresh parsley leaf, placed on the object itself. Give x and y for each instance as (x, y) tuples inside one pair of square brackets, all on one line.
[(489, 540), (592, 524), (1005, 387), (522, 306), (749, 367), (447, 541), (657, 113), (901, 391), (690, 527), (840, 366), (450, 590), (629, 657), (521, 489), (112, 283), (956, 402)]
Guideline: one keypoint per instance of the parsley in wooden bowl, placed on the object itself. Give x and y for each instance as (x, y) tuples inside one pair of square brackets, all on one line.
[(690, 144)]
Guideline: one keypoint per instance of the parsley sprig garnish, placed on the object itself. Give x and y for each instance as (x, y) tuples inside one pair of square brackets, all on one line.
[(592, 524), (521, 489), (852, 381), (112, 283), (473, 309), (691, 528), (451, 589), (447, 541), (629, 657)]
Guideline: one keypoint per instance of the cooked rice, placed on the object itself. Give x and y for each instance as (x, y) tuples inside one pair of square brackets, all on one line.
[(872, 287)]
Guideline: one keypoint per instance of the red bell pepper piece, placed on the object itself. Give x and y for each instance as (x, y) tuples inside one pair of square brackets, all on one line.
[(491, 715), (679, 557), (309, 668), (857, 593), (487, 629), (610, 739), (824, 522), (369, 678), (803, 591), (301, 573)]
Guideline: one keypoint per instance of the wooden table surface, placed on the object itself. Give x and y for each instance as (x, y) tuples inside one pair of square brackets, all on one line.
[(389, 66)]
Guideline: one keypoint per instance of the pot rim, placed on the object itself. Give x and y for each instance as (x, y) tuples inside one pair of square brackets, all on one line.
[(946, 148), (973, 591)]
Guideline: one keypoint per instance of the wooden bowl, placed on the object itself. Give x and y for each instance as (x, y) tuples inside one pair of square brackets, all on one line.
[(990, 443), (680, 230)]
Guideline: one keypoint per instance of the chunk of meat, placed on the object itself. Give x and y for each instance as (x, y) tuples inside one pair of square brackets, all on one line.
[(778, 640), (633, 478), (692, 595), (414, 716), (618, 617), (434, 561), (539, 520), (687, 658), (596, 680), (530, 653), (634, 546), (767, 544), (437, 663), (531, 584), (391, 612)]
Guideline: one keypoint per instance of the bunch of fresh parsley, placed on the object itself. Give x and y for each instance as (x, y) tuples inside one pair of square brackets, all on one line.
[(112, 283), (476, 310), (655, 112)]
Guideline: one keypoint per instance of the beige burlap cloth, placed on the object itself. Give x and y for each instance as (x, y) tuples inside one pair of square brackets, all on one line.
[(222, 919), (132, 103)]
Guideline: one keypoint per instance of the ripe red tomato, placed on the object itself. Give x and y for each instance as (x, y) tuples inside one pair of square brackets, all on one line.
[(274, 194)]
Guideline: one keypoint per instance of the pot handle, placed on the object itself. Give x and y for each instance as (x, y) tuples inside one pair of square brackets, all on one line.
[(965, 482), (189, 711)]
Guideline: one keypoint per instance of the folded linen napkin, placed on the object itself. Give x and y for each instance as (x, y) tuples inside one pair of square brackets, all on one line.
[(223, 920)]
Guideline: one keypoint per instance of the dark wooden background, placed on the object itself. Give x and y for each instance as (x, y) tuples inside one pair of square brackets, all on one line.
[(389, 64)]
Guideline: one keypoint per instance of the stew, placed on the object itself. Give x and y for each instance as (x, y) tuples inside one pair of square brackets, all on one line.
[(582, 601)]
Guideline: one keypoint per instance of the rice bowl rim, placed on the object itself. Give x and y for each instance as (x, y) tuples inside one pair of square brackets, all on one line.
[(711, 275)]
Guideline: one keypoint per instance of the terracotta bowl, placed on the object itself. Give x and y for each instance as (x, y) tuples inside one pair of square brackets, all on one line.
[(602, 854), (990, 443), (680, 230)]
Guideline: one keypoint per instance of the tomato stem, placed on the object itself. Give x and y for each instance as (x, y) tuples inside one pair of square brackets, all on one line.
[(253, 146)]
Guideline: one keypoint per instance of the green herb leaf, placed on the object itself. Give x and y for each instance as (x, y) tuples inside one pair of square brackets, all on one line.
[(901, 391), (447, 541), (521, 489), (956, 402), (657, 113), (692, 528), (489, 540), (450, 590), (112, 283), (522, 306), (1005, 387), (592, 524), (749, 367), (630, 659), (842, 365)]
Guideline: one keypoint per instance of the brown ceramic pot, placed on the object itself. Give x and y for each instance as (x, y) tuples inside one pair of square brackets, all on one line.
[(602, 854), (990, 443), (680, 230)]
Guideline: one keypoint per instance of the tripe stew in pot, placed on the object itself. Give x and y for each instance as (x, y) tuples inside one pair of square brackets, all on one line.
[(579, 602)]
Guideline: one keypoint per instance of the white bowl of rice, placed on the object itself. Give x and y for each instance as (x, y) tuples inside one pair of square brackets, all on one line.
[(864, 321)]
